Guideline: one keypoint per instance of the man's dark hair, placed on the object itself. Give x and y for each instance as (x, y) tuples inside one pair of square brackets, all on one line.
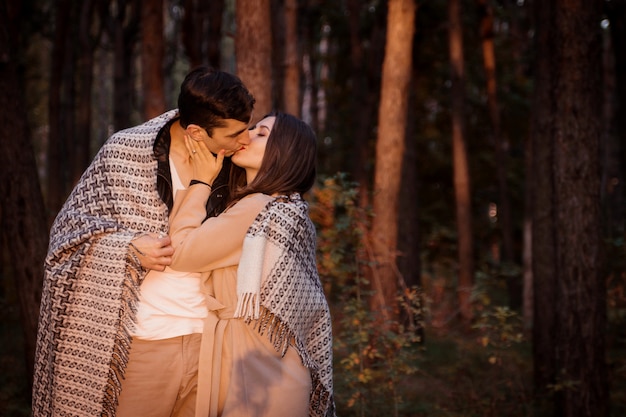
[(209, 96), (288, 162)]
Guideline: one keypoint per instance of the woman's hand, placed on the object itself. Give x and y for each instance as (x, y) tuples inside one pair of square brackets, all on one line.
[(206, 167)]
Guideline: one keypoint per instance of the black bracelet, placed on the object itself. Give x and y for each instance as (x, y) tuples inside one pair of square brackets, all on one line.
[(192, 182)]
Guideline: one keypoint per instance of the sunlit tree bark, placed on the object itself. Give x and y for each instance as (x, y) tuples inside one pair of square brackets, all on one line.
[(152, 58), (460, 162), (390, 144), (253, 49), (291, 89)]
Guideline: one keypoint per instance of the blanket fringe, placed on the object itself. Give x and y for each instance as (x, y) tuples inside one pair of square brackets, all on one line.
[(121, 347), (248, 306), (281, 337)]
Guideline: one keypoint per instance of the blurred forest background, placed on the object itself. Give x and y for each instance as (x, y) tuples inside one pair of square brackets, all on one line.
[(470, 203)]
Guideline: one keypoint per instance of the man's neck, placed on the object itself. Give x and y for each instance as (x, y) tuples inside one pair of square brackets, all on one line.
[(179, 154), (177, 135)]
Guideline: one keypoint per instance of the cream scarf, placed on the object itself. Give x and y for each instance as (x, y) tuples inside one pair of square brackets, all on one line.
[(280, 293)]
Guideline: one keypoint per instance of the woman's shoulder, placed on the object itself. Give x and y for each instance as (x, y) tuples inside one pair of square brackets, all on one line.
[(255, 202), (258, 198)]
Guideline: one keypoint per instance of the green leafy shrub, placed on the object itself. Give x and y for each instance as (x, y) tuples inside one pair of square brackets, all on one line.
[(371, 359)]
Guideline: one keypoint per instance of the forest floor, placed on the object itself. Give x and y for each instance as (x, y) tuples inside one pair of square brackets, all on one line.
[(456, 375)]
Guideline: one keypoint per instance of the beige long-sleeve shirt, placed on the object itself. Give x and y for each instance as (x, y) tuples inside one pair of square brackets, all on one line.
[(216, 243)]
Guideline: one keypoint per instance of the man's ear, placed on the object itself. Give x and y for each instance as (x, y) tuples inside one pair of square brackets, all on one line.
[(195, 132)]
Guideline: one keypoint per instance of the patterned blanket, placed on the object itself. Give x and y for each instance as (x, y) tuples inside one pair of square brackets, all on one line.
[(279, 292), (91, 281)]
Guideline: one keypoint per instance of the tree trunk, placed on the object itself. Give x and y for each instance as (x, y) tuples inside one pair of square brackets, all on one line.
[(214, 12), (543, 239), (501, 150), (24, 224), (310, 113), (460, 162), (359, 104), (85, 63), (581, 293), (291, 89), (363, 101), (616, 12), (390, 144), (279, 46), (201, 31), (527, 233), (570, 324), (612, 178), (519, 41), (123, 28), (152, 53), (191, 32), (409, 263), (309, 64), (69, 105), (55, 154), (253, 49)]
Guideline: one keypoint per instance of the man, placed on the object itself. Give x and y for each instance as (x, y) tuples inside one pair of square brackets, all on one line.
[(107, 285)]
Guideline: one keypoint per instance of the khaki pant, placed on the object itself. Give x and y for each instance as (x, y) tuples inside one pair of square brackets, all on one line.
[(161, 378)]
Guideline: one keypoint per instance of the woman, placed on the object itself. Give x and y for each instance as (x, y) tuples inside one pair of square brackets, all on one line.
[(267, 343)]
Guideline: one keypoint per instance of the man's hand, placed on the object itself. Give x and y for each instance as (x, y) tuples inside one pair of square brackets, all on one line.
[(153, 251)]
